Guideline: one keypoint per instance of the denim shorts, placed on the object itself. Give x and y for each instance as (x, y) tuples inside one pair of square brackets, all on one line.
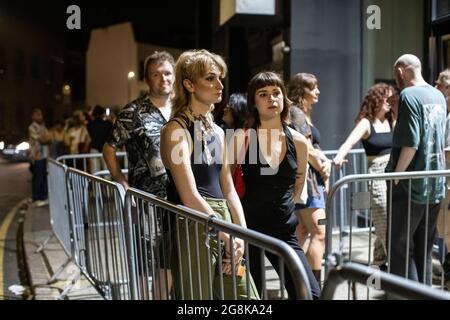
[(313, 202)]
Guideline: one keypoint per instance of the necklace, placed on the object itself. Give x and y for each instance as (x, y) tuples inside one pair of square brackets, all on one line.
[(203, 131)]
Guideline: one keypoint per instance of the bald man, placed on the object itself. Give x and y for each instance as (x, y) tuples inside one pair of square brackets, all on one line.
[(418, 145)]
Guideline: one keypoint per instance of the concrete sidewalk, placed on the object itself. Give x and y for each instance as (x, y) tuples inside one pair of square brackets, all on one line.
[(42, 265)]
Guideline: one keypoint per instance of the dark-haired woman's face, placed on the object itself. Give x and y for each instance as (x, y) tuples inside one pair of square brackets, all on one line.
[(228, 116), (269, 102), (312, 96)]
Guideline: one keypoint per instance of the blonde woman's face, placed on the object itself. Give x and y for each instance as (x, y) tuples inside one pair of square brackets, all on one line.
[(208, 89)]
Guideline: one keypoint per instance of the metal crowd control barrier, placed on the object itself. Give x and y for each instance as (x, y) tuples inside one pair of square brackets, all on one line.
[(60, 219), (392, 285), (360, 201), (105, 174), (357, 164), (98, 228), (83, 161), (149, 221)]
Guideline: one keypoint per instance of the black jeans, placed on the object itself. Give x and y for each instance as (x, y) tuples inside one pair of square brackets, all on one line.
[(39, 180), (256, 268), (421, 236)]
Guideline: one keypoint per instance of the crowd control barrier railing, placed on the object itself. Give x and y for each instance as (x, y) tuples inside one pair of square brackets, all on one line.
[(392, 286), (175, 249), (357, 164), (60, 220), (127, 254), (91, 162), (98, 228), (360, 247)]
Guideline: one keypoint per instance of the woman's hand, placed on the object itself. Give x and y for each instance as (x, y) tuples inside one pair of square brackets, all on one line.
[(325, 169), (238, 251), (339, 162)]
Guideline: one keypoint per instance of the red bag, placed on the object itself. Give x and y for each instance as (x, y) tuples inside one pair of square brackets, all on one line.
[(238, 174), (239, 183)]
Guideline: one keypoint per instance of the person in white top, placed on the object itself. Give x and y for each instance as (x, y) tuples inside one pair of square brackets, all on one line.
[(39, 139)]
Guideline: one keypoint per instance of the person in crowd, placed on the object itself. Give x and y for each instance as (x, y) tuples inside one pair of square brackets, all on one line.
[(417, 145), (78, 139), (443, 85), (235, 113), (99, 130), (58, 147), (374, 125), (274, 171), (303, 91), (138, 127), (39, 140), (201, 180)]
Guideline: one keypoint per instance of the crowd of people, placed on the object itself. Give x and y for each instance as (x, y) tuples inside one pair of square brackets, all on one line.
[(274, 146), (83, 132)]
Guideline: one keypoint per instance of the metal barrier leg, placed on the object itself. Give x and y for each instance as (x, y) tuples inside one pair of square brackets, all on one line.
[(70, 286), (58, 271), (44, 244)]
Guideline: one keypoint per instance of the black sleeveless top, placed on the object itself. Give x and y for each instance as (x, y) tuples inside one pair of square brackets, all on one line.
[(207, 176), (268, 201), (378, 143)]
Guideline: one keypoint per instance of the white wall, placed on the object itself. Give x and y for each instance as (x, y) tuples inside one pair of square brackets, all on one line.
[(402, 31), (111, 54)]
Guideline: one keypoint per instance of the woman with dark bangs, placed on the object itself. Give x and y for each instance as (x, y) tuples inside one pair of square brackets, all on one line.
[(274, 171), (374, 126)]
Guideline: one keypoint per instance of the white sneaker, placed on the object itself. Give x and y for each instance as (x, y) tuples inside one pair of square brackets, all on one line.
[(40, 203)]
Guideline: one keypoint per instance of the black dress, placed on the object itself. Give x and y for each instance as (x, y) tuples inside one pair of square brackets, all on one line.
[(269, 208)]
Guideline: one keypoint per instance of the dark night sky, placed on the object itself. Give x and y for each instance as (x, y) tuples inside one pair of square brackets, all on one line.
[(167, 22)]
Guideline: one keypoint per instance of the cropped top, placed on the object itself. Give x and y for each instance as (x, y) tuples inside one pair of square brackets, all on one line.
[(378, 143)]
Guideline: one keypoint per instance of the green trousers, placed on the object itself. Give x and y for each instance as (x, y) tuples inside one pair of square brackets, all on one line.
[(193, 278)]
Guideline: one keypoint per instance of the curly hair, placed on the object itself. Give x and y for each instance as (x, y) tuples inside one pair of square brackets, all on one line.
[(299, 85), (261, 80), (192, 65), (374, 101)]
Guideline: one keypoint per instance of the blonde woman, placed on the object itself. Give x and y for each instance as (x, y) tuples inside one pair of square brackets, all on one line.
[(200, 179)]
